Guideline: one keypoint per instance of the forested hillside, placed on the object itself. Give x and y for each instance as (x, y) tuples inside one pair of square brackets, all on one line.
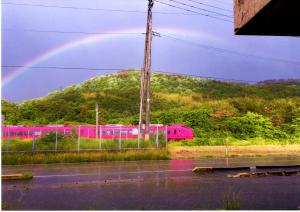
[(211, 108)]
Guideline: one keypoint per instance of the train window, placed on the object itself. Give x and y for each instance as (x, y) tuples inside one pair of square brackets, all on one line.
[(19, 133), (116, 132), (123, 132), (175, 131), (37, 133), (106, 132), (168, 132), (134, 131)]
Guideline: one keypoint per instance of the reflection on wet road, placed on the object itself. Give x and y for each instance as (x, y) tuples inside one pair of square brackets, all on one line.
[(148, 185)]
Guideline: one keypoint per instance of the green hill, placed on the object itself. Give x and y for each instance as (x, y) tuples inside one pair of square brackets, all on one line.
[(211, 108)]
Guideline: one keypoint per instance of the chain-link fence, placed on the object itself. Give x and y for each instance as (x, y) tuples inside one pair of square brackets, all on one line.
[(81, 138)]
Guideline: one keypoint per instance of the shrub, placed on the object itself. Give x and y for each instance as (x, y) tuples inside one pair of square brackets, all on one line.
[(254, 125)]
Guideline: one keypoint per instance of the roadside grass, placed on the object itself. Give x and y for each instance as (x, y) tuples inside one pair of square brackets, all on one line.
[(193, 152), (230, 141), (46, 158)]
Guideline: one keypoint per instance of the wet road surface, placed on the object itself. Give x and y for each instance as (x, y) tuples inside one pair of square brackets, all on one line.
[(149, 185)]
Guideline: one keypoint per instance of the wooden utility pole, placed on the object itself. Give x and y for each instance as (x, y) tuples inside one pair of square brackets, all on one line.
[(97, 119), (146, 74)]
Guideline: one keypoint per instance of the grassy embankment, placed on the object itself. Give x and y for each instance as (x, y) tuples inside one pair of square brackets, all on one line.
[(234, 148)]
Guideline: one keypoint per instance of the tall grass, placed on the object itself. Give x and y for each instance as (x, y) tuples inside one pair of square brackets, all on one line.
[(45, 158), (229, 141)]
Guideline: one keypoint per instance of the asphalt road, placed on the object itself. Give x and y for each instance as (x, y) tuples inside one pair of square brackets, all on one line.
[(149, 185)]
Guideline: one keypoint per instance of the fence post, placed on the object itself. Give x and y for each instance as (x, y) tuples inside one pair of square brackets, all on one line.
[(78, 140), (8, 140), (120, 139), (166, 137), (33, 141), (56, 139), (139, 134), (100, 144), (156, 136)]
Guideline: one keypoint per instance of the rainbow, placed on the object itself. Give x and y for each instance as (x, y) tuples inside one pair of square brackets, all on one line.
[(91, 38)]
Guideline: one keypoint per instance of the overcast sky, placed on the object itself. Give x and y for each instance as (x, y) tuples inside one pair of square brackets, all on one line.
[(197, 48)]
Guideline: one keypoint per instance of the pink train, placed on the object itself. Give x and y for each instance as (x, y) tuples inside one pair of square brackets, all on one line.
[(174, 132)]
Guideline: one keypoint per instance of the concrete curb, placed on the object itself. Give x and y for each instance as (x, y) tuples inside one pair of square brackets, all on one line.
[(211, 169), (202, 169), (199, 169), (264, 174), (277, 167)]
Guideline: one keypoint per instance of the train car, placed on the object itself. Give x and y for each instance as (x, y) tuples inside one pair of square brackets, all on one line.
[(174, 132), (179, 132)]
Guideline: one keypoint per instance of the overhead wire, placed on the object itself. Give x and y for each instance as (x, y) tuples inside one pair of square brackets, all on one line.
[(198, 8), (115, 69), (222, 79), (63, 68), (162, 35), (74, 32), (222, 50), (196, 12), (94, 9), (117, 10), (208, 5)]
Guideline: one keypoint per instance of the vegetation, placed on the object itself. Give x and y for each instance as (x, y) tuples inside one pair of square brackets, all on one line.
[(188, 152), (27, 176), (39, 158), (215, 110)]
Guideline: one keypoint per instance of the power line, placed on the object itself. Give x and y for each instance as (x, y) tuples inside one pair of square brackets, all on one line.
[(208, 5), (74, 32), (112, 69), (120, 69), (203, 14), (63, 68), (167, 36), (220, 1), (208, 77), (92, 9), (103, 9), (71, 7), (205, 10), (228, 50)]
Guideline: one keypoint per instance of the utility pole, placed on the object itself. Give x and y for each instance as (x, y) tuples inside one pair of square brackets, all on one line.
[(146, 75), (97, 119)]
